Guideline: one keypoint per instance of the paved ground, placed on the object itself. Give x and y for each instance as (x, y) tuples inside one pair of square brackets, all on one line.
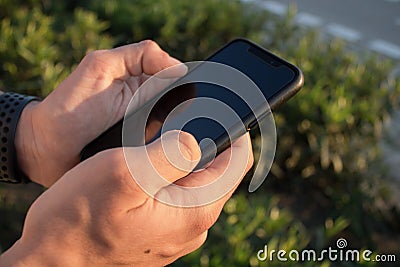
[(371, 24)]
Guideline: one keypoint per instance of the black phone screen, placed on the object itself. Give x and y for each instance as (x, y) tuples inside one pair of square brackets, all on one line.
[(268, 72), (273, 76)]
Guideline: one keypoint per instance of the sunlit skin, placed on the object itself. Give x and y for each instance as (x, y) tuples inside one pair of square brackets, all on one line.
[(89, 101), (94, 213)]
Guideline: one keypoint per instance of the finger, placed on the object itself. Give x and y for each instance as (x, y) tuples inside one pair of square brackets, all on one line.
[(215, 182), (172, 103), (211, 212), (226, 175), (240, 147), (144, 57), (147, 90), (131, 174), (164, 161)]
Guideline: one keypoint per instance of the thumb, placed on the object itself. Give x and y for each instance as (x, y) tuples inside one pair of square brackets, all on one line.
[(168, 159)]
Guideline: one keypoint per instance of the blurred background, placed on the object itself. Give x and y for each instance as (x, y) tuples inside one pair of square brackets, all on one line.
[(336, 171)]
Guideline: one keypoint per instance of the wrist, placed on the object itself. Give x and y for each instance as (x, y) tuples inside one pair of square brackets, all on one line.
[(43, 150), (25, 142)]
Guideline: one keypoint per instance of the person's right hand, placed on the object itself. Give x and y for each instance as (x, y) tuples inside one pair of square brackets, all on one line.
[(97, 215)]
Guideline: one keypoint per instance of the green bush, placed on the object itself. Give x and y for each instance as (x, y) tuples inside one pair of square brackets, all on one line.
[(38, 50), (328, 177)]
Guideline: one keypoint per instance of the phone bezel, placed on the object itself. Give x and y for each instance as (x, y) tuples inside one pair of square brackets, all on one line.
[(222, 142)]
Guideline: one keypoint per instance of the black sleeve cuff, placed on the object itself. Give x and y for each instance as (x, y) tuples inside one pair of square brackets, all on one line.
[(11, 107)]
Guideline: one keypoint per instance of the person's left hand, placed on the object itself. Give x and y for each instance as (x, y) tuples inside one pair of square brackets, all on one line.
[(52, 133)]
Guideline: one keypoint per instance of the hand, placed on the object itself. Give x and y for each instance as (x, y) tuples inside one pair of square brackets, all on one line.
[(52, 133), (96, 214)]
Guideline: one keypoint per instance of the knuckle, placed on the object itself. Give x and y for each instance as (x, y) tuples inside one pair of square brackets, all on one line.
[(154, 57), (94, 56), (188, 146), (113, 161), (149, 44), (113, 167), (96, 62)]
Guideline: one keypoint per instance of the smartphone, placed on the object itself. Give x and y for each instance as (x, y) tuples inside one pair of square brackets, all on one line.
[(277, 79)]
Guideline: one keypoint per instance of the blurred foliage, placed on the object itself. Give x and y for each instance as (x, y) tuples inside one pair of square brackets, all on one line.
[(328, 177), (39, 50)]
